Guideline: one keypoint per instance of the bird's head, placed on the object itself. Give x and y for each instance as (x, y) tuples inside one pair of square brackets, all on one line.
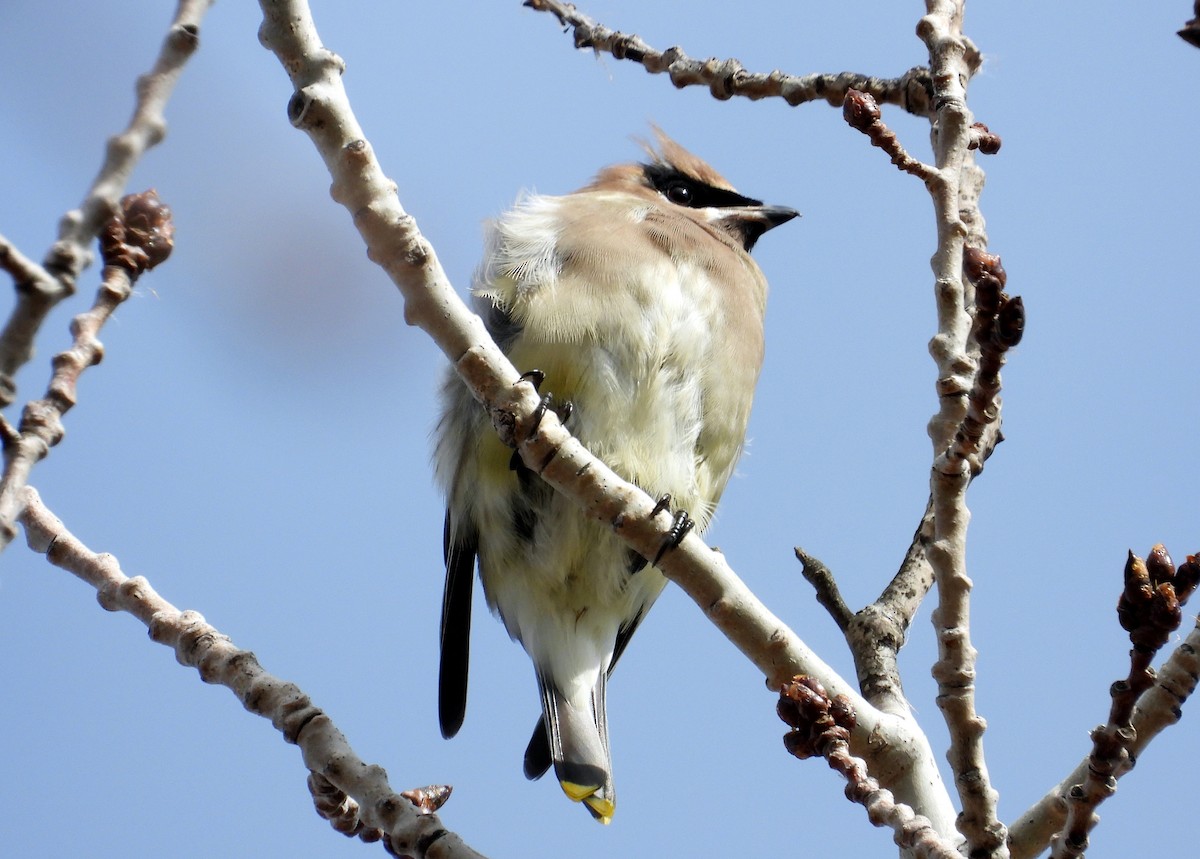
[(675, 177)]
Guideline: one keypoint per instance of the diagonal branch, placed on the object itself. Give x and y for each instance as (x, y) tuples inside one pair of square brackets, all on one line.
[(820, 726), (1150, 610), (135, 240), (912, 91), (1157, 709), (26, 273), (199, 645), (69, 256)]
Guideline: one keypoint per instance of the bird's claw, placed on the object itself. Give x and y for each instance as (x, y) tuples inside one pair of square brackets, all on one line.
[(680, 527), (533, 377), (563, 409), (540, 412)]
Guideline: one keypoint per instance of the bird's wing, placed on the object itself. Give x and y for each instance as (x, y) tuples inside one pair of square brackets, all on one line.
[(460, 543)]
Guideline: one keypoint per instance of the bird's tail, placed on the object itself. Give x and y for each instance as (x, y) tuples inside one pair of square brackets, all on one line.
[(577, 733)]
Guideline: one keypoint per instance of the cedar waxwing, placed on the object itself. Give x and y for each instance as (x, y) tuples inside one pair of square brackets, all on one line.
[(637, 298)]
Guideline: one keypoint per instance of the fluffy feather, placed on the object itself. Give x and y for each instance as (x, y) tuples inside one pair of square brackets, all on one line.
[(646, 313)]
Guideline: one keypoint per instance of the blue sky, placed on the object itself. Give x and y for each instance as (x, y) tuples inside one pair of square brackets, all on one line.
[(256, 440)]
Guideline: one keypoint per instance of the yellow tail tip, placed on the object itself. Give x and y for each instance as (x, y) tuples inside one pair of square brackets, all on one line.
[(590, 795)]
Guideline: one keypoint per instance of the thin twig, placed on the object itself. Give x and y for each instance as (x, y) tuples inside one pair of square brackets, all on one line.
[(199, 645), (26, 273), (830, 598), (1150, 609), (135, 240), (726, 78), (998, 325), (69, 256), (1160, 707), (861, 112), (820, 726), (880, 628)]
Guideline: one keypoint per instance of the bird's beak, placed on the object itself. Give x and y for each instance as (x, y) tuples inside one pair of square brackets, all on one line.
[(750, 222)]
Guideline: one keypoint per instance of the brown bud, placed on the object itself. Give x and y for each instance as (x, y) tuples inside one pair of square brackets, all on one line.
[(1186, 578), (984, 140), (1010, 322), (987, 294), (1137, 577), (1132, 606), (140, 236), (799, 744), (860, 110), (978, 262), (1159, 565), (843, 713), (802, 701), (1165, 612)]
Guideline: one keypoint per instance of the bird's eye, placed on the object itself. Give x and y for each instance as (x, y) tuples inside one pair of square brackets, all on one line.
[(679, 193)]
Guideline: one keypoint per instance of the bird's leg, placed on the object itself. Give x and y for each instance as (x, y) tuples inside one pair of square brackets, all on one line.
[(679, 528)]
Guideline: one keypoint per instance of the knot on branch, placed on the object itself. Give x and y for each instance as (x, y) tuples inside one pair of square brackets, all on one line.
[(140, 235), (1151, 606), (819, 723)]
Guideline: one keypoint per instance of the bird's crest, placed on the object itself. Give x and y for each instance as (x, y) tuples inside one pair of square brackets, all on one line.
[(671, 154)]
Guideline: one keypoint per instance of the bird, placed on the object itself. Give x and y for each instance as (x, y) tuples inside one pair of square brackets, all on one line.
[(635, 303)]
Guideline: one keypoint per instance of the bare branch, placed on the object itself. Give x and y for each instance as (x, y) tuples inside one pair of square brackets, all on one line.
[(1150, 609), (861, 112), (69, 256), (138, 238), (199, 645), (820, 727), (952, 60), (26, 274), (819, 576), (880, 629), (726, 78), (1158, 708)]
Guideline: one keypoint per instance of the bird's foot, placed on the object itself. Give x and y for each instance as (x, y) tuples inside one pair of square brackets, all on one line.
[(679, 528), (563, 410)]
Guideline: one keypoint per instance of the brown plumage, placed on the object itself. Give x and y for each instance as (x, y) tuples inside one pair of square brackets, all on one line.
[(637, 298)]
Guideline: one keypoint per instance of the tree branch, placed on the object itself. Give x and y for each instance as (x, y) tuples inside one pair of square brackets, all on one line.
[(952, 61), (69, 256), (1158, 708), (199, 645), (726, 78), (1150, 609), (820, 726), (136, 239)]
